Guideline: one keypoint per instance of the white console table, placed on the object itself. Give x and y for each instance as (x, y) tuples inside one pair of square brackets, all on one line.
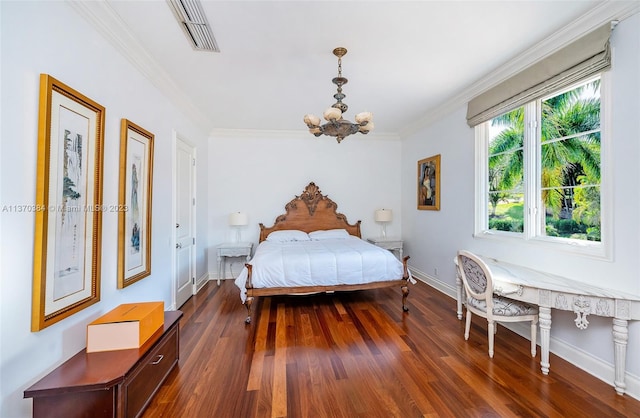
[(551, 291)]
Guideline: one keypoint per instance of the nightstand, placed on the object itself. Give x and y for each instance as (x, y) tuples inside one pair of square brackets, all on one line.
[(231, 249), (391, 244)]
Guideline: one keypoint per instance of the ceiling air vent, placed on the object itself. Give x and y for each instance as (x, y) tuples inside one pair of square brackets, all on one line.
[(194, 23)]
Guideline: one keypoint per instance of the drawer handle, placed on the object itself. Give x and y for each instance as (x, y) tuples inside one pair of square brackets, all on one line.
[(160, 357)]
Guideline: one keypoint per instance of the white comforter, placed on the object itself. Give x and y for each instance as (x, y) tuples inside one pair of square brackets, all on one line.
[(325, 262)]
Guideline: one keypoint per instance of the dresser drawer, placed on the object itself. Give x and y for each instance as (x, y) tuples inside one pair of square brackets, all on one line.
[(147, 377)]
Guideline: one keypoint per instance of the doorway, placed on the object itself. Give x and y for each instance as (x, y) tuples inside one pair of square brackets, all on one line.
[(184, 260)]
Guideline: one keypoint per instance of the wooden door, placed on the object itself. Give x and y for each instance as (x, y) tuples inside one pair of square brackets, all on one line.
[(184, 278)]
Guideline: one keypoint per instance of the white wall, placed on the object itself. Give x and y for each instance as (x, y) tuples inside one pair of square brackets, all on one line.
[(259, 173), (49, 37), (432, 238)]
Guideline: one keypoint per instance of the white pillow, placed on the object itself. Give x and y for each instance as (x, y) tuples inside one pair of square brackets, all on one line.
[(288, 235), (329, 234)]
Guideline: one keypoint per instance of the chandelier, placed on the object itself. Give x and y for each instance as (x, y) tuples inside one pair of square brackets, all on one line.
[(336, 125)]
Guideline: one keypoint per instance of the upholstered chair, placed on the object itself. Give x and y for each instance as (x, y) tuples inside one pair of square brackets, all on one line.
[(481, 301)]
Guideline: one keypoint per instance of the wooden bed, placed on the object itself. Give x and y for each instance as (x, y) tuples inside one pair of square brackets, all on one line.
[(312, 211)]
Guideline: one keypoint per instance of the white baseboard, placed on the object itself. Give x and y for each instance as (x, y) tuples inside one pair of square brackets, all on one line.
[(202, 281), (596, 367)]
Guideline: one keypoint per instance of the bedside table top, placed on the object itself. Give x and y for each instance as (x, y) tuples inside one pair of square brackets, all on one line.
[(386, 240), (234, 249), (233, 245)]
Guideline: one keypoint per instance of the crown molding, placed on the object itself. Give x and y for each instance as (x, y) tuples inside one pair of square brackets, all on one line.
[(602, 13), (104, 19)]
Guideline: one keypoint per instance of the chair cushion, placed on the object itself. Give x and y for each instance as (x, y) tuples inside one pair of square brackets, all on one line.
[(504, 306)]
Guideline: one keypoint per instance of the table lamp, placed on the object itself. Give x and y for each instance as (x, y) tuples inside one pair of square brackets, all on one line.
[(238, 220), (384, 216)]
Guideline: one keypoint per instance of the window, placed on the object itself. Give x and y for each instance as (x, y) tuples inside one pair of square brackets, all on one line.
[(506, 171), (539, 169)]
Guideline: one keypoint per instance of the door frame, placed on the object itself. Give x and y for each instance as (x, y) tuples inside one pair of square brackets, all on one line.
[(174, 215)]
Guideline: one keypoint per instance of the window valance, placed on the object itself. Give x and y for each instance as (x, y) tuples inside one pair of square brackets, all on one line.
[(582, 58)]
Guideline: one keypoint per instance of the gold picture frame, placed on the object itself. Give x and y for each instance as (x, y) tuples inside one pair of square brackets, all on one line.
[(134, 201), (429, 183), (68, 215)]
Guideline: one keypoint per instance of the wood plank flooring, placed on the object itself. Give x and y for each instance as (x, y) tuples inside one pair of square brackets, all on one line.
[(358, 355)]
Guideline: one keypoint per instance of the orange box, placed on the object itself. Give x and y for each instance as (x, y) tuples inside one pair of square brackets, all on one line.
[(128, 326)]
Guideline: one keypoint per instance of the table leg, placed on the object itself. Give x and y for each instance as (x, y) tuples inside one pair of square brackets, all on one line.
[(620, 339), (219, 268), (545, 333), (224, 267), (458, 295)]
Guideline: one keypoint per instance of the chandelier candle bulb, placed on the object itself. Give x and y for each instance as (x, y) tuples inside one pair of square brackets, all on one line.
[(332, 114), (364, 117), (312, 120)]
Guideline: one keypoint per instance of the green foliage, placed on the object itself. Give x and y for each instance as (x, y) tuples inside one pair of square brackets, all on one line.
[(509, 218), (568, 226), (587, 200), (551, 231), (516, 211), (570, 164), (593, 234), (501, 224)]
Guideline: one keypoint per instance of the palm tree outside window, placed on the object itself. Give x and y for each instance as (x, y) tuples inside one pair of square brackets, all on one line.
[(563, 135)]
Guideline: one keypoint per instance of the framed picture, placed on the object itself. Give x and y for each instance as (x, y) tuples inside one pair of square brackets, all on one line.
[(429, 183), (134, 203), (68, 215)]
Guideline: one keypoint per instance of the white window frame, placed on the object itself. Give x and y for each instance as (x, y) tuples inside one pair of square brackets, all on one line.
[(533, 225)]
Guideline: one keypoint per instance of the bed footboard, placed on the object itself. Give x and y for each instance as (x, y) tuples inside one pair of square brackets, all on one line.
[(273, 291)]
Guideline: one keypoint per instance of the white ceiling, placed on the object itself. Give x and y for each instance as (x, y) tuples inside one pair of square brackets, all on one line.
[(276, 64)]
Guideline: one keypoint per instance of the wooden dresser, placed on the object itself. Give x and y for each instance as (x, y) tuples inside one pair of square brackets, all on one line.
[(118, 383)]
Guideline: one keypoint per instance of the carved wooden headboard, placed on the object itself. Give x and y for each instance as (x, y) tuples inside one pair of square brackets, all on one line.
[(311, 211)]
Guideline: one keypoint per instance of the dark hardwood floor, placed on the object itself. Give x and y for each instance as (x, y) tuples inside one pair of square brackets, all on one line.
[(358, 355)]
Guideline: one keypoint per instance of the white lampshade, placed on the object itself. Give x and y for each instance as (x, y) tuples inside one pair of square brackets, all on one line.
[(332, 114), (366, 128), (238, 219), (384, 215), (364, 117), (311, 120)]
